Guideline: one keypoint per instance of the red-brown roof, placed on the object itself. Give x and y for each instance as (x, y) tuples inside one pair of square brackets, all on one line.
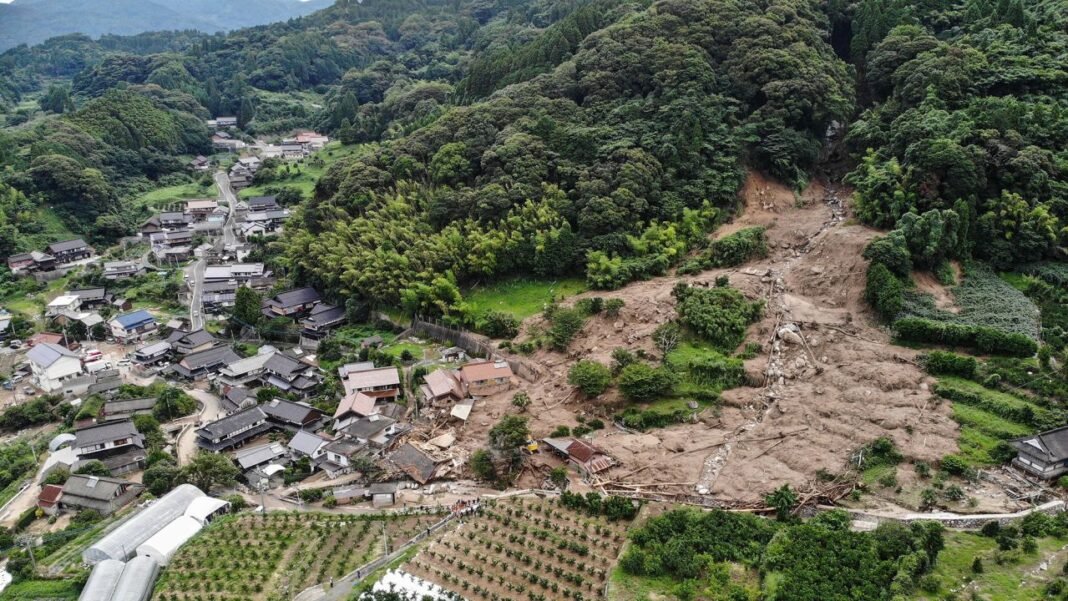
[(485, 370), (582, 452), (45, 337), (49, 495)]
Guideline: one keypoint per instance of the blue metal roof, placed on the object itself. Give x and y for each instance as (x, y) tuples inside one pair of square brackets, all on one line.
[(132, 320)]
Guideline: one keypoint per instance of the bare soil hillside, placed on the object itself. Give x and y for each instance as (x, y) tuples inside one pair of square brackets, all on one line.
[(827, 380)]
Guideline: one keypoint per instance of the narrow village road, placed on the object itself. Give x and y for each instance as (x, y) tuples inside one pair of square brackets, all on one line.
[(212, 410)]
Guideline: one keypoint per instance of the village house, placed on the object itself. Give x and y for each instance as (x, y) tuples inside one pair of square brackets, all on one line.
[(293, 150), (343, 371), (233, 430), (69, 251), (48, 338), (175, 221), (53, 366), (90, 298), (246, 371), (226, 121), (442, 387), (185, 342), (99, 493), (253, 457), (308, 444), (583, 455), (321, 321), (292, 303), (200, 163), (375, 431), (202, 364), (64, 304), (352, 407), (383, 494), (127, 408), (131, 327), (217, 296), (20, 263), (413, 462), (200, 209), (251, 163), (258, 204), (120, 270), (382, 383), (151, 354), (241, 273), (116, 444), (171, 239), (341, 456), (262, 223), (312, 141), (486, 377), (235, 398), (221, 140), (48, 499), (1044, 455), (240, 181), (293, 417), (291, 375)]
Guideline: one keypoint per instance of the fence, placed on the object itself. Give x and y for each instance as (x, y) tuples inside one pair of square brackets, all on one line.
[(475, 345)]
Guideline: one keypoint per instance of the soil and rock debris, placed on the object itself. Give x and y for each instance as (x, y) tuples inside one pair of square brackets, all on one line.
[(827, 379)]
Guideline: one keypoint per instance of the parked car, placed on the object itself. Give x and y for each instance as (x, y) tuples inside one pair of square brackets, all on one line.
[(15, 344), (8, 385), (29, 390)]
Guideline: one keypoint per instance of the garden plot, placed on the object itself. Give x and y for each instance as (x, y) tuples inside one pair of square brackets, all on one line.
[(523, 549), (266, 557)]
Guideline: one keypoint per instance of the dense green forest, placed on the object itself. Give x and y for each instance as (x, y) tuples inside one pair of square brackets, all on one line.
[(595, 137)]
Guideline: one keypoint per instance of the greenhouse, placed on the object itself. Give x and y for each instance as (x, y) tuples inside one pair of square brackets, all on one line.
[(205, 509), (122, 543), (137, 580), (102, 581), (165, 543)]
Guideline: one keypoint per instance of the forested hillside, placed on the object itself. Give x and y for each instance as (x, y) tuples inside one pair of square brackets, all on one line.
[(594, 137)]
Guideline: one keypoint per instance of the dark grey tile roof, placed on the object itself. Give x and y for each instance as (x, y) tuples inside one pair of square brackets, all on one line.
[(89, 294), (108, 432), (213, 356), (58, 247), (1054, 443), (284, 365), (129, 405), (367, 427), (296, 297), (345, 448), (100, 488), (194, 338), (290, 412), (232, 423), (414, 462), (325, 314)]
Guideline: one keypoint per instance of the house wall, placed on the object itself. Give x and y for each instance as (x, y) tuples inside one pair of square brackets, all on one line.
[(55, 376)]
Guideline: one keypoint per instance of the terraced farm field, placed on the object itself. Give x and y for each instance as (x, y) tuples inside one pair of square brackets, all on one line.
[(523, 549), (271, 558)]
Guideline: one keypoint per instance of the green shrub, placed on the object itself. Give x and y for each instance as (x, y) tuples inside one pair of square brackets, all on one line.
[(613, 306), (955, 465), (730, 251), (719, 315), (641, 383), (591, 377), (987, 340), (943, 363), (884, 292), (498, 324), (566, 324)]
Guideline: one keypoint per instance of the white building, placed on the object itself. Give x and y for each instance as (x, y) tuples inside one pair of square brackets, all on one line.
[(52, 366)]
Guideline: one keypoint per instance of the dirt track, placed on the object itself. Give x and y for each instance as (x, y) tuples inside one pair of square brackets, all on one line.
[(842, 389)]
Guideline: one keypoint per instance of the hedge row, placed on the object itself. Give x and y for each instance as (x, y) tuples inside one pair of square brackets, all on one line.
[(942, 363), (884, 292), (730, 251), (983, 339), (1013, 410)]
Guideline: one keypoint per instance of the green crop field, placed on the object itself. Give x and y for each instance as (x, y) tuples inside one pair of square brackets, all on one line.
[(521, 297)]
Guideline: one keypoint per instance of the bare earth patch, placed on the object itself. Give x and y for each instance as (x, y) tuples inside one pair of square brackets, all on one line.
[(842, 387)]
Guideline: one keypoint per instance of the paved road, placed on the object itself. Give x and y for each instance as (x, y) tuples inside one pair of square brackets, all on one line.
[(195, 280), (223, 182), (187, 446)]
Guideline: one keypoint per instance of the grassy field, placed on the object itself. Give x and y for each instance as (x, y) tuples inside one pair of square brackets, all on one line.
[(521, 297), (36, 590), (161, 197), (1018, 580), (982, 430), (303, 174)]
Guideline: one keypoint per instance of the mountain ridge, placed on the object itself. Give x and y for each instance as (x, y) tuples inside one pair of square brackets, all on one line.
[(34, 21)]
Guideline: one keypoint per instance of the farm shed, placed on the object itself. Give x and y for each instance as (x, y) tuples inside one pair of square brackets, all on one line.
[(102, 581), (137, 580), (122, 542), (165, 543)]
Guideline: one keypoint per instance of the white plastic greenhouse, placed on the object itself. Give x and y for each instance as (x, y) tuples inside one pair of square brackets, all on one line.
[(137, 580), (102, 581), (165, 543), (122, 542)]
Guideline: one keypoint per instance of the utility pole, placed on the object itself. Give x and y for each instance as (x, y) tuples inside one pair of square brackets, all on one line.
[(28, 541)]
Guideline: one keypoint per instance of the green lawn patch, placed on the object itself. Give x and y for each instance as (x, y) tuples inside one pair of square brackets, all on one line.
[(304, 174), (521, 297), (997, 582), (36, 590), (161, 197)]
